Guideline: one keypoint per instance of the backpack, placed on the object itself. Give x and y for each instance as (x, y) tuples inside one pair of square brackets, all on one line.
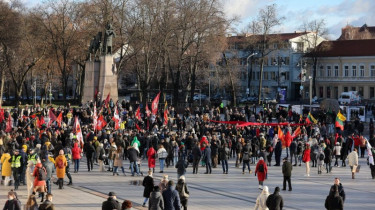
[(42, 175), (60, 164), (261, 168), (246, 156), (321, 156)]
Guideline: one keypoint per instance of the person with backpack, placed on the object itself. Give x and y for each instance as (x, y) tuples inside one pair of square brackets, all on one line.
[(60, 164), (40, 175), (321, 158), (261, 171)]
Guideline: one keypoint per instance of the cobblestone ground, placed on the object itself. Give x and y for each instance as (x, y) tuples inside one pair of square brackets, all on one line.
[(213, 191)]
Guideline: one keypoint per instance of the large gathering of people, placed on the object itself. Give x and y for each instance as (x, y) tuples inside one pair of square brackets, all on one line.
[(37, 142)]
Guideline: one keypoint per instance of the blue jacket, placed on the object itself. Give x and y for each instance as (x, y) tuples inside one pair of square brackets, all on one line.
[(207, 154), (171, 199)]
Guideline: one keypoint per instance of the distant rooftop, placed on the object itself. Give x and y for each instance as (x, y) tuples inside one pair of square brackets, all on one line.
[(364, 47)]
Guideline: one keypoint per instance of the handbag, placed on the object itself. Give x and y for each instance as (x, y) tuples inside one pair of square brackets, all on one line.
[(184, 194), (358, 168)]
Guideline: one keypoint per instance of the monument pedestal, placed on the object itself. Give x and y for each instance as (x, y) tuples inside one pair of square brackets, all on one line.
[(100, 76)]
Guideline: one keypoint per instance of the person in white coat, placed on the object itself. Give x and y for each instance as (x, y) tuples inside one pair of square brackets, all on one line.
[(29, 177), (261, 199), (353, 161)]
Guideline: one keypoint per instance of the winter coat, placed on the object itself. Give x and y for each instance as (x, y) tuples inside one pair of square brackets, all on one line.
[(353, 158), (48, 165), (151, 153), (261, 175), (38, 182), (162, 153), (287, 168), (261, 201), (275, 202), (181, 185), (118, 159), (337, 150), (341, 191), (60, 172), (76, 152), (293, 147), (6, 169), (334, 202), (224, 153), (148, 183), (156, 201), (320, 162), (328, 155), (111, 204), (181, 166), (171, 199), (207, 154), (132, 155), (306, 155), (197, 153)]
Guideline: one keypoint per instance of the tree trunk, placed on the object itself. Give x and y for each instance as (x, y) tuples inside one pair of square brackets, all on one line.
[(2, 86), (261, 81), (314, 77)]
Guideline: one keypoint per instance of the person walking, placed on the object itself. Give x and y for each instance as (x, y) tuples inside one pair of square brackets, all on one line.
[(333, 200), (340, 188), (197, 154), (260, 203), (50, 168), (171, 197), (328, 159), (133, 157), (306, 159), (181, 167), (261, 171), (278, 151), (353, 161), (89, 150), (337, 153), (148, 183), (151, 158), (12, 203), (224, 153), (40, 176), (76, 153), (111, 203), (101, 156), (162, 155), (275, 201), (118, 161), (321, 158), (17, 166), (246, 158), (60, 164), (207, 158), (293, 152), (156, 201), (183, 192), (6, 169), (287, 173)]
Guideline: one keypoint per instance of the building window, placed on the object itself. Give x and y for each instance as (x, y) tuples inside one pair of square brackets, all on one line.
[(346, 71), (360, 91), (336, 71), (258, 75), (273, 75), (328, 92), (336, 92), (265, 75), (286, 75), (346, 89), (320, 92), (372, 70), (329, 73), (362, 71), (354, 71), (321, 71), (353, 88), (372, 92), (286, 61), (300, 46)]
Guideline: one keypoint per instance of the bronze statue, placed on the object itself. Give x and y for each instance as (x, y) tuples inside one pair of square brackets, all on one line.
[(109, 34)]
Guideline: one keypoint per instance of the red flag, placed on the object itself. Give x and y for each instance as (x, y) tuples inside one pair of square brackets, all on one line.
[(288, 139), (107, 100), (280, 134), (166, 114), (52, 117), (95, 117), (101, 123), (1, 115), (78, 132), (148, 113), (41, 122), (297, 132), (154, 105), (59, 119), (138, 114), (137, 126), (116, 118), (9, 125)]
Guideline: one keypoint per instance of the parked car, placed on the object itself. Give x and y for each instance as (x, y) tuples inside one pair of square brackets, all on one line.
[(198, 97)]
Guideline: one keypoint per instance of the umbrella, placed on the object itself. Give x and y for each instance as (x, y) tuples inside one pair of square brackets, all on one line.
[(330, 105)]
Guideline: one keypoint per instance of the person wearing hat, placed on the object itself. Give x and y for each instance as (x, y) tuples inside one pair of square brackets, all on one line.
[(275, 201), (111, 203), (17, 166), (261, 170), (60, 164), (260, 203), (6, 170), (156, 201), (287, 173)]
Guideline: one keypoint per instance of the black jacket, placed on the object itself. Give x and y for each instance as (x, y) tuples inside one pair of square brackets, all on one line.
[(197, 153), (275, 202), (148, 183), (181, 166), (132, 155), (287, 168), (341, 191), (207, 154), (47, 205), (171, 199), (111, 204), (12, 205), (334, 202)]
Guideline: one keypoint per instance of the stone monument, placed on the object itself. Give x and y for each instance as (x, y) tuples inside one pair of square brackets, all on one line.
[(100, 69)]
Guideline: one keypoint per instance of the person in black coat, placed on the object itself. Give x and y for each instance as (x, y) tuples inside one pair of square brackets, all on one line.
[(148, 183), (278, 150), (197, 154), (275, 201), (111, 203), (287, 173), (207, 158), (181, 167), (333, 200), (293, 152), (133, 156), (340, 188), (328, 158), (171, 198)]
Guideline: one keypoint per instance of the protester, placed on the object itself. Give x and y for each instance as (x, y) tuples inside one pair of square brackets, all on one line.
[(171, 197), (340, 188), (306, 159), (151, 157), (156, 201), (76, 152), (40, 176), (60, 164), (163, 183), (333, 200), (12, 203), (6, 169), (162, 155)]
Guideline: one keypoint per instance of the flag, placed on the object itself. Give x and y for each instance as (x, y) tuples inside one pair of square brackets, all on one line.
[(41, 122), (52, 117), (1, 115), (340, 118), (280, 134), (78, 132), (287, 140), (138, 114), (154, 105), (297, 132), (106, 102), (59, 119), (166, 113), (148, 113), (101, 123), (95, 117), (310, 119), (116, 118), (9, 125), (137, 126)]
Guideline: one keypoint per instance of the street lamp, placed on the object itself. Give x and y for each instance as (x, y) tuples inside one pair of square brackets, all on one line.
[(248, 73)]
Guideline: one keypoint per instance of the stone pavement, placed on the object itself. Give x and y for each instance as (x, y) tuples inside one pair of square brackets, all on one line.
[(214, 191)]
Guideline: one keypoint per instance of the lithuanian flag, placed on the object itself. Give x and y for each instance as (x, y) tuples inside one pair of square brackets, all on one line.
[(340, 118), (310, 119)]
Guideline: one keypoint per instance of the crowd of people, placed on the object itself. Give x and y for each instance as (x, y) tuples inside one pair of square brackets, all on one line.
[(36, 142)]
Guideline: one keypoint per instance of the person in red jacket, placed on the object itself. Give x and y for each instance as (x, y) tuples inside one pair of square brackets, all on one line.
[(76, 153), (40, 180), (306, 159), (261, 171), (151, 156)]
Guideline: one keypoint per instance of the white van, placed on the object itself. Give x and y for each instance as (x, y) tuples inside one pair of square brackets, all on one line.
[(349, 97)]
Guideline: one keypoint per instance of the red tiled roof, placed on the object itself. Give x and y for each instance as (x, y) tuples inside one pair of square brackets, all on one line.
[(365, 47)]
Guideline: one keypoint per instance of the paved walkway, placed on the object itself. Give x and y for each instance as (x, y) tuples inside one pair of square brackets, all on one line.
[(214, 191)]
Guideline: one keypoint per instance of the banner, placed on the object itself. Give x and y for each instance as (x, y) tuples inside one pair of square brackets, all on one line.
[(243, 124), (154, 105)]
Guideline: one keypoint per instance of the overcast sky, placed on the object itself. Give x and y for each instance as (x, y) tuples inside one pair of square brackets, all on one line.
[(337, 13)]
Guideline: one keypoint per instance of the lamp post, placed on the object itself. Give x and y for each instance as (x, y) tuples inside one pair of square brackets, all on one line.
[(248, 73), (302, 64), (310, 91)]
